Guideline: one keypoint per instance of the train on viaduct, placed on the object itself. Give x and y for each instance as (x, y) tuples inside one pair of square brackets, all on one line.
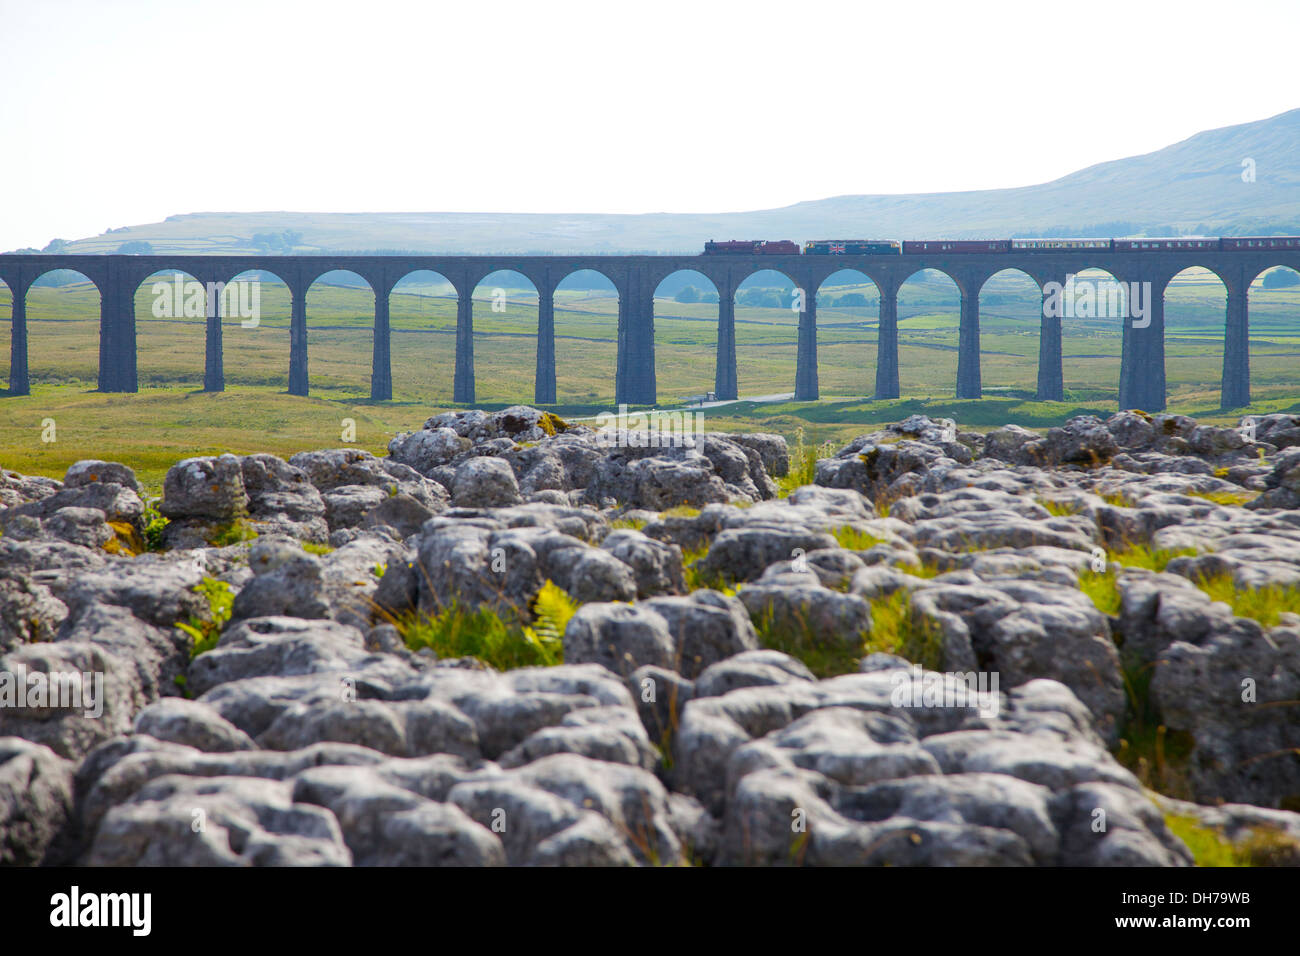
[(1237, 263)]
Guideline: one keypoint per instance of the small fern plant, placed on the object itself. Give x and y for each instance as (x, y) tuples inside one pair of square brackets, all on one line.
[(206, 633), (552, 609)]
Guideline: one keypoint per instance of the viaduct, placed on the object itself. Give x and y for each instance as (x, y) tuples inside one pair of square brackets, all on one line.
[(1142, 366)]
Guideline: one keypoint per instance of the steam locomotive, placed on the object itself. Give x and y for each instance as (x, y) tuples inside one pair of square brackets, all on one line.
[(913, 247), (751, 247)]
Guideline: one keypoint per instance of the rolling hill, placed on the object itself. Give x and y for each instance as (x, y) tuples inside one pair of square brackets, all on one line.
[(1195, 186)]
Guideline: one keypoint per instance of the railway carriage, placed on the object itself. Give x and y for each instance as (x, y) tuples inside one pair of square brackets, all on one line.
[(1184, 244), (851, 247), (1256, 243), (916, 247), (1061, 245)]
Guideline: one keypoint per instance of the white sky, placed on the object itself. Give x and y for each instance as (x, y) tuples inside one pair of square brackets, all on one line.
[(124, 112)]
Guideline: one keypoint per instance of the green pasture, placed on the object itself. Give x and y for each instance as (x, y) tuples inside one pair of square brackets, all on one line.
[(171, 417)]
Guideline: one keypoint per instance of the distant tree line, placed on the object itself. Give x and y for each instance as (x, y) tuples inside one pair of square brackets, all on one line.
[(278, 242), (1107, 230), (768, 298), (1280, 279), (1101, 230), (853, 300), (691, 294)]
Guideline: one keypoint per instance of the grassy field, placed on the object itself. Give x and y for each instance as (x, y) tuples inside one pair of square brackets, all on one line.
[(171, 418)]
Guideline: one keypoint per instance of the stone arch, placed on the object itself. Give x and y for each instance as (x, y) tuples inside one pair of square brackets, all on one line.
[(1270, 307), (767, 330), (686, 323), (171, 315), (1006, 276), (678, 280), (569, 275), (256, 349), (505, 336), (1195, 314), (6, 339), (63, 314), (915, 268), (747, 278), (587, 302), (422, 322), (848, 313), (1105, 300), (1092, 343), (340, 311), (1203, 266), (929, 319), (1256, 282), (1011, 321)]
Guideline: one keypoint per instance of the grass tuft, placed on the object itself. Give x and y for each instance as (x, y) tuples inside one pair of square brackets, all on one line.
[(207, 631), (1145, 556), (803, 464), (681, 511), (232, 533), (1208, 845), (1101, 587), (1059, 509), (855, 539), (1228, 498), (896, 630), (698, 578), (925, 569), (498, 639), (481, 633), (884, 503), (1261, 846), (826, 655), (1265, 604), (1154, 754), (627, 524), (154, 525)]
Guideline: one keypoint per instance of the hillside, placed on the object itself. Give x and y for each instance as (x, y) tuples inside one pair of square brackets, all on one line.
[(1193, 186)]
